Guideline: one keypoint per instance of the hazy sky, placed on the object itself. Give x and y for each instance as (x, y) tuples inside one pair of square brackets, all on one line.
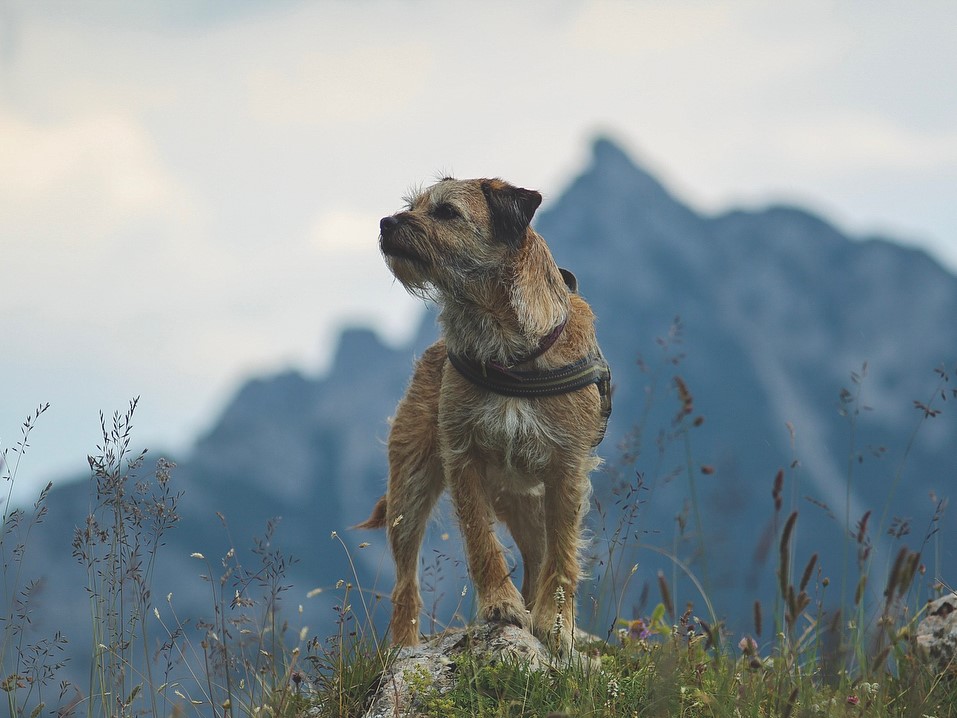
[(190, 191)]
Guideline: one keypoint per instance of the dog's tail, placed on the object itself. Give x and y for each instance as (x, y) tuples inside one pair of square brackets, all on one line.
[(376, 519)]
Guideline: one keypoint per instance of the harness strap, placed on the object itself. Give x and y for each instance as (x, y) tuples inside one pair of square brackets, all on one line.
[(589, 370)]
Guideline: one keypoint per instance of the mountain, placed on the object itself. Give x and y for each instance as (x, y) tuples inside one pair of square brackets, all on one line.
[(775, 309)]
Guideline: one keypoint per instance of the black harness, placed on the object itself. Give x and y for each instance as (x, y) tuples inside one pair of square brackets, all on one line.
[(503, 379)]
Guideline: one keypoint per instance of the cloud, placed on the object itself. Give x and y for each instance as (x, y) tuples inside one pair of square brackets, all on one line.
[(86, 177), (97, 228), (632, 29), (851, 141), (359, 84)]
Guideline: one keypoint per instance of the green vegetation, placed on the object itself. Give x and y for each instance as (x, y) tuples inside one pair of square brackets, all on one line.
[(677, 673), (245, 659)]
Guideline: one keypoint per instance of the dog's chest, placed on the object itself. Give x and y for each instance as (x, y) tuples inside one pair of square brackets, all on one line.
[(503, 418), (515, 438)]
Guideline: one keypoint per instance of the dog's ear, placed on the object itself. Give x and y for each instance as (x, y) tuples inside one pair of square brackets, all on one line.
[(511, 209)]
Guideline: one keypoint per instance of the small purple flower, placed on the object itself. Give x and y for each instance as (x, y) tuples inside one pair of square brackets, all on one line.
[(638, 630)]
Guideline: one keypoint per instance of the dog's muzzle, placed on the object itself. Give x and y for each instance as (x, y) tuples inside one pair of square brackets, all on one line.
[(392, 242)]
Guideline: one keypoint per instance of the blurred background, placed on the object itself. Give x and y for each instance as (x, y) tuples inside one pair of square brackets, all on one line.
[(190, 191)]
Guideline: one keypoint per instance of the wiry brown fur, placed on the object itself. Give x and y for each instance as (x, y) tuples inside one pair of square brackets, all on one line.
[(468, 245)]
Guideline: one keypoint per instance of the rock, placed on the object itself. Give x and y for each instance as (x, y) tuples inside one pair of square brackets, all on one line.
[(432, 664), (937, 634)]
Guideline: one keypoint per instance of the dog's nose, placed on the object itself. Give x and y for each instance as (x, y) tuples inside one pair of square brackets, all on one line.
[(387, 223)]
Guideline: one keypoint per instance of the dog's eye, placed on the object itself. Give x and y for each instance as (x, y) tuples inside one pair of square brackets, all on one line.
[(445, 211)]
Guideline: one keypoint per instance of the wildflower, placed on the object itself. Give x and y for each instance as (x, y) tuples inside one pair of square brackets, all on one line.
[(853, 700), (748, 646), (636, 630), (613, 692), (559, 624), (560, 597)]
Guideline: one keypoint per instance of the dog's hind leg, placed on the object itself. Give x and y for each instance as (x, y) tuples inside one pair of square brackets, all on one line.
[(410, 503), (415, 484)]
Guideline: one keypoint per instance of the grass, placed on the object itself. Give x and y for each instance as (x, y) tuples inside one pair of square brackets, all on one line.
[(29, 666), (804, 658), (676, 673)]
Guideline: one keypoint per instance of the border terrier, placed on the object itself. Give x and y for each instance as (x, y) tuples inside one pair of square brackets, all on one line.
[(504, 410)]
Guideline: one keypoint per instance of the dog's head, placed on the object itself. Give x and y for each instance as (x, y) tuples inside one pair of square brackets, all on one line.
[(457, 233)]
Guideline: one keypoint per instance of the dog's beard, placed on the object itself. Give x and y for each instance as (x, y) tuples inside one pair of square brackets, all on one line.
[(415, 284), (425, 291), (424, 280)]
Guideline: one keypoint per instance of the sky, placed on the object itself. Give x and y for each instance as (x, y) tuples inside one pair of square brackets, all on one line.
[(190, 190)]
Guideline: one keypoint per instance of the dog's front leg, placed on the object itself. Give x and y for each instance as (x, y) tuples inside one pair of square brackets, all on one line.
[(524, 514), (553, 614), (498, 598)]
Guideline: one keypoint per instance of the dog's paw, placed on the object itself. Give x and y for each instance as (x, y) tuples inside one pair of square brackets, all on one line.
[(507, 612), (554, 628), (405, 634)]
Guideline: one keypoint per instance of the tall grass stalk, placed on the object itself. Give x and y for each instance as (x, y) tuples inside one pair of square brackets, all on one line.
[(28, 663), (851, 407), (118, 546)]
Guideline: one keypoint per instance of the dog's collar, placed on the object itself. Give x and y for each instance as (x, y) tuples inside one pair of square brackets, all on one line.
[(543, 346)]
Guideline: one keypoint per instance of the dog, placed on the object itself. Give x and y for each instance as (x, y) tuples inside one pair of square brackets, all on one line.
[(504, 410)]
